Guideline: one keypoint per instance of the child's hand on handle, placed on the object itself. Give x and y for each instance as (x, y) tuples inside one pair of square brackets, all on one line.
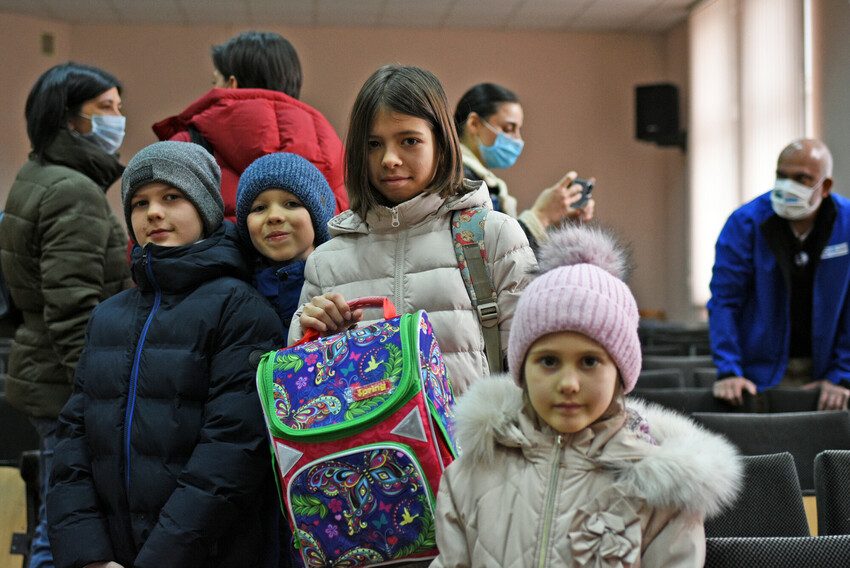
[(329, 313)]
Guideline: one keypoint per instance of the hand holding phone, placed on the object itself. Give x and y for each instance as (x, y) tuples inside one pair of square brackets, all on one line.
[(586, 191)]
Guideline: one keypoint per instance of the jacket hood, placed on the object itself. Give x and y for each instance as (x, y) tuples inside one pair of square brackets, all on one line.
[(177, 269), (687, 468), (245, 124), (412, 212)]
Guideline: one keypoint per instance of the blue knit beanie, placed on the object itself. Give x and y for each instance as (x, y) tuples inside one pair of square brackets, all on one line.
[(291, 173)]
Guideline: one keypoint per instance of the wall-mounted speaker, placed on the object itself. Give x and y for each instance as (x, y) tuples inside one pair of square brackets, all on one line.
[(657, 114)]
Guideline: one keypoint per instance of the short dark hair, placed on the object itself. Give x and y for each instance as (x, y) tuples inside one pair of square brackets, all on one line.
[(483, 99), (406, 90), (260, 60), (57, 96)]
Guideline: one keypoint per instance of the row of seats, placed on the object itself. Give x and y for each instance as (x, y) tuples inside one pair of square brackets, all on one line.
[(778, 552), (671, 338), (684, 383), (767, 526)]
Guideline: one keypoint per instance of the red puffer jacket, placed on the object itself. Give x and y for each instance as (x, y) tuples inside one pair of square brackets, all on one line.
[(244, 124)]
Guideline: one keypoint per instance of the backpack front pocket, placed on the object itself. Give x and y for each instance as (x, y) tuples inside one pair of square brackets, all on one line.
[(363, 506)]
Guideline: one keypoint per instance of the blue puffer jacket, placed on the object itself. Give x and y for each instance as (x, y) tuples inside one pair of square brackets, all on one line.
[(749, 313), (163, 458)]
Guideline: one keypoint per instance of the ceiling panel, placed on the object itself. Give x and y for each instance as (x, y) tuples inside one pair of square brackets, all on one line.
[(661, 20), (585, 15), (150, 11), (81, 11), (487, 13), (617, 9), (32, 8)]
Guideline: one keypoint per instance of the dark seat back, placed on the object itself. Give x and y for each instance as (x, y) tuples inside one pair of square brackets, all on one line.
[(778, 552), (803, 434), (661, 379), (832, 487), (770, 503), (685, 363), (16, 434), (685, 400)]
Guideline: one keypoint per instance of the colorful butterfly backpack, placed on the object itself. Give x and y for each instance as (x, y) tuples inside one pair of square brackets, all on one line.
[(361, 429)]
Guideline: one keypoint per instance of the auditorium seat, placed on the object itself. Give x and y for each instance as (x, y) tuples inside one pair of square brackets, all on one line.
[(803, 434), (685, 400), (770, 502), (778, 552), (832, 487), (661, 379)]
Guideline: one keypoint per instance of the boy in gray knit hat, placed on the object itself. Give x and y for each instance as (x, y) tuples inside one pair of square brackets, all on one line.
[(283, 205), (160, 169), (162, 458)]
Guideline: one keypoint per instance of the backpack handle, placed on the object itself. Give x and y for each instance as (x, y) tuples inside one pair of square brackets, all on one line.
[(365, 302)]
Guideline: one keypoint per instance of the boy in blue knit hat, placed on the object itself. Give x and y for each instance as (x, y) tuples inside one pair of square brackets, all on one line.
[(283, 205)]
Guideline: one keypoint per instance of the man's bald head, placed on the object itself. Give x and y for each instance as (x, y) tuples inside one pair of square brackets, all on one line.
[(811, 151)]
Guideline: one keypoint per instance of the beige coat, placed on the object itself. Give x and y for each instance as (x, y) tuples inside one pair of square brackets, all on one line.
[(414, 264), (609, 495)]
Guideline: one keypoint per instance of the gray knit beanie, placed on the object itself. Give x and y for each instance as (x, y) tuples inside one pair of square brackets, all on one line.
[(184, 166), (291, 173)]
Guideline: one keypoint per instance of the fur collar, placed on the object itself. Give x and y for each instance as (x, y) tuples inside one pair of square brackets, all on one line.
[(690, 468)]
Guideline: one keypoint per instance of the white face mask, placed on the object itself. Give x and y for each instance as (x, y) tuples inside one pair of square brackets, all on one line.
[(792, 200), (107, 131)]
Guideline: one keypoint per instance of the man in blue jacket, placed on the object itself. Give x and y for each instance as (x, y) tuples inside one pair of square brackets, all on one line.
[(778, 312)]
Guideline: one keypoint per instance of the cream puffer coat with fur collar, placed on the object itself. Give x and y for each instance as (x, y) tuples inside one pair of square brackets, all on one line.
[(624, 492)]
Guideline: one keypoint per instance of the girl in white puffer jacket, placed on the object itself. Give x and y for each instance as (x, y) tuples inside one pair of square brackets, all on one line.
[(404, 178), (557, 468)]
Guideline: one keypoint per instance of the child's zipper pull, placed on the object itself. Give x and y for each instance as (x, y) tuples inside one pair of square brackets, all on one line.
[(395, 222)]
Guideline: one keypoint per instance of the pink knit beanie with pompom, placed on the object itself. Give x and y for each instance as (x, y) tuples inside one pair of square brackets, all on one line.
[(580, 289)]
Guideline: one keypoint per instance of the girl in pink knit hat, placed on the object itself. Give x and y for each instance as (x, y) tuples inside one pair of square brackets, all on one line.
[(558, 469)]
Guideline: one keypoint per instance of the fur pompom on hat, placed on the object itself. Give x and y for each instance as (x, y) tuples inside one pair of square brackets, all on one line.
[(292, 173), (184, 166), (580, 289)]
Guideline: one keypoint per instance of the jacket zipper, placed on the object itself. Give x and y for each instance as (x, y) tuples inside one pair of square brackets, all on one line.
[(395, 221), (549, 512), (399, 264), (134, 373)]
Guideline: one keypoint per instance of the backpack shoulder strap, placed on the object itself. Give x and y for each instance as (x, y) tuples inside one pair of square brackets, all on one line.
[(468, 239)]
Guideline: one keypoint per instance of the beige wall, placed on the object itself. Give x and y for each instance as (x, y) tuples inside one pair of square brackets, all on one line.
[(576, 89), (21, 63)]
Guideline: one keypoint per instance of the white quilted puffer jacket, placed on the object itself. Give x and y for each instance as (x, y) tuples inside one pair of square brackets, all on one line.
[(406, 253)]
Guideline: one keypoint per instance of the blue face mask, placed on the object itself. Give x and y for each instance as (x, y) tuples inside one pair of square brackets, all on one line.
[(504, 151), (107, 131)]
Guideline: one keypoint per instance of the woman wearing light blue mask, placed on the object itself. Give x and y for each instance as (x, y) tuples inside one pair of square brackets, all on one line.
[(489, 121), (63, 250)]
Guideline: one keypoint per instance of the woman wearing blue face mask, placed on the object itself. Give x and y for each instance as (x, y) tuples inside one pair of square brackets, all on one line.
[(61, 247), (489, 122)]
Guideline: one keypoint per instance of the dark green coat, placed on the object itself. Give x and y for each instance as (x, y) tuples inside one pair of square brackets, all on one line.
[(62, 251)]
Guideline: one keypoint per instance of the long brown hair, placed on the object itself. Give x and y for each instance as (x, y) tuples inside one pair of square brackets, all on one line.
[(406, 90)]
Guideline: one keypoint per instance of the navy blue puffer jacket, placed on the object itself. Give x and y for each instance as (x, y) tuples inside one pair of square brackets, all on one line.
[(163, 458)]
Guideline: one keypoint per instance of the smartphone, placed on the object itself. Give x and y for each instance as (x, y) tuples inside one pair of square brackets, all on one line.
[(586, 190)]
